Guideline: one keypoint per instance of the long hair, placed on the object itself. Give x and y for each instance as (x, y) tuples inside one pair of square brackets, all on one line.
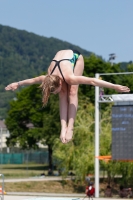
[(50, 84)]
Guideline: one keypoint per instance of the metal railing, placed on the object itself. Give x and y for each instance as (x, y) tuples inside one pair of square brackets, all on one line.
[(2, 187)]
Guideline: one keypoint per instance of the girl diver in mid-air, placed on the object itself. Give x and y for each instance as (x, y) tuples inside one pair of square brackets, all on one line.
[(64, 76)]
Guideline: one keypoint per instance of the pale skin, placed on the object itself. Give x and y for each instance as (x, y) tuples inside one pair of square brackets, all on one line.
[(68, 91)]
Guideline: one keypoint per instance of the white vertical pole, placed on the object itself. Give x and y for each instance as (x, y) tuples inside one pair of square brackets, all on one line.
[(96, 139)]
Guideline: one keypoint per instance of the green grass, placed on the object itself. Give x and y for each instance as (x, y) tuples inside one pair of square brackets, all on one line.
[(32, 170), (23, 170), (45, 186)]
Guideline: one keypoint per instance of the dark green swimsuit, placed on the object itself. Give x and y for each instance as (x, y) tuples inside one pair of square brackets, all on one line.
[(76, 55)]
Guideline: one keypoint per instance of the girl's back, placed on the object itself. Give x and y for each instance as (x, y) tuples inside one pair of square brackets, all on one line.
[(65, 65)]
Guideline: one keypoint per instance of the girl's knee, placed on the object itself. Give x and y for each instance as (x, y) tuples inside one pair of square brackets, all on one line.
[(73, 91)]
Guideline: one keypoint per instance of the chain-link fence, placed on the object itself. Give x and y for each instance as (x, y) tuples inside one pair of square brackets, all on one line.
[(40, 157)]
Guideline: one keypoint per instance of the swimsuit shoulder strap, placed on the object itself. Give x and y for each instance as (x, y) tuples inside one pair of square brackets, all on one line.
[(57, 63)]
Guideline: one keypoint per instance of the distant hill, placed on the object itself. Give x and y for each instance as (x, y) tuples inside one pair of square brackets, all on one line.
[(25, 55), (124, 65)]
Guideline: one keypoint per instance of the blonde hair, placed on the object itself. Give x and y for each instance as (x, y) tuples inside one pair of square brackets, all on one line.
[(50, 84)]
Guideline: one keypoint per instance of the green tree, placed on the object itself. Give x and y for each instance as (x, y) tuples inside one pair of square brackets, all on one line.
[(25, 118), (78, 155), (29, 123), (93, 65)]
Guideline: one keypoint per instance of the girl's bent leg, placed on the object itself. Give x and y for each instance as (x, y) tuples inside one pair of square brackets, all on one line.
[(72, 110), (73, 99), (63, 104)]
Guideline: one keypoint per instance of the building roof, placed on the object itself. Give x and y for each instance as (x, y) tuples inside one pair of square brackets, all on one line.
[(2, 124)]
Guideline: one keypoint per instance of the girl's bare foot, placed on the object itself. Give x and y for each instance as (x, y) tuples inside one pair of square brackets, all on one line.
[(69, 135), (63, 135)]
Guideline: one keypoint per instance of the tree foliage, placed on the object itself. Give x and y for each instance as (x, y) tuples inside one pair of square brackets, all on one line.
[(25, 118), (30, 124), (93, 65), (78, 155)]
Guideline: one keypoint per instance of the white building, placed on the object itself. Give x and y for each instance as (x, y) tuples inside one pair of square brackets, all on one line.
[(4, 133)]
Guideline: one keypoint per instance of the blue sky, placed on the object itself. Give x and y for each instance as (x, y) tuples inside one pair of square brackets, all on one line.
[(99, 26)]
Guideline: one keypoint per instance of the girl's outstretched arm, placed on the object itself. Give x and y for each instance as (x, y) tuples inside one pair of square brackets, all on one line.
[(76, 80), (15, 85)]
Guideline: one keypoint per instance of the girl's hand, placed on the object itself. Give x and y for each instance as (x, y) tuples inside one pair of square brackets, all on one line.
[(121, 88), (12, 86)]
